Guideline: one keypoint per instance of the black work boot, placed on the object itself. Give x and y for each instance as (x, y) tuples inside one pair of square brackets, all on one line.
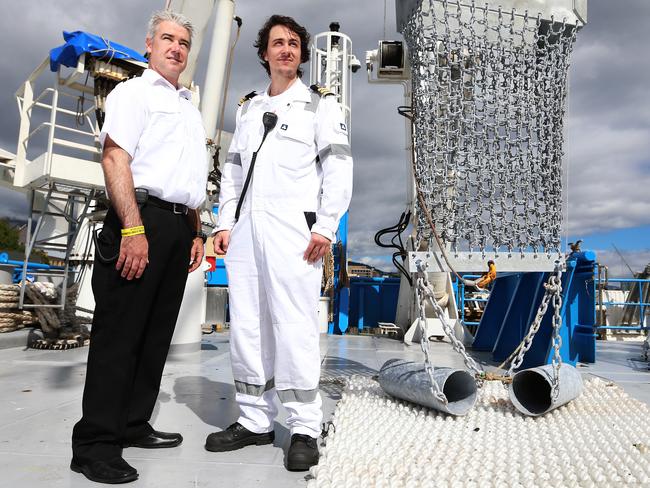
[(235, 437), (303, 453)]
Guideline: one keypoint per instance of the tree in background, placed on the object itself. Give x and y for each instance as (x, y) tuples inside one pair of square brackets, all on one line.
[(10, 241), (9, 237)]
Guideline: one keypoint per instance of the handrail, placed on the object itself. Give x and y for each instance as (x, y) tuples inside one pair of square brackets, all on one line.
[(641, 304)]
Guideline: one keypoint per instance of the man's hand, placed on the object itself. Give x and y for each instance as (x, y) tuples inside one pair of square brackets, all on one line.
[(318, 246), (196, 254), (221, 241), (134, 256)]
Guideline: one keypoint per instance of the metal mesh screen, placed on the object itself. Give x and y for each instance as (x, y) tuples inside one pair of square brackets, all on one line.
[(489, 91)]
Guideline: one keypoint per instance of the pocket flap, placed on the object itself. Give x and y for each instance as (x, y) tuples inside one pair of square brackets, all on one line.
[(297, 130)]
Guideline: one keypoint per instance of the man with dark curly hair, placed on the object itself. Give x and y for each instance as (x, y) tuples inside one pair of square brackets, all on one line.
[(286, 183)]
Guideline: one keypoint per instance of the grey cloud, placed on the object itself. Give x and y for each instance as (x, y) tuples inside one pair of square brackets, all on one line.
[(14, 204), (609, 102), (617, 266)]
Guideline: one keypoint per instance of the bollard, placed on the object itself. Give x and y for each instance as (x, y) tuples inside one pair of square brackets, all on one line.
[(409, 381), (530, 391)]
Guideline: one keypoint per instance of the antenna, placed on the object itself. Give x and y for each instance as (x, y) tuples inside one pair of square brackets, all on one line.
[(622, 258)]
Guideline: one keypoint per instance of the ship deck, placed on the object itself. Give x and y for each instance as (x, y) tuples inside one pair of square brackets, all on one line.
[(41, 401)]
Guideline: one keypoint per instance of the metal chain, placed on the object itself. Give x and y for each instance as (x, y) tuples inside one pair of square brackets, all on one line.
[(424, 340), (489, 92), (553, 291), (557, 338), (424, 289)]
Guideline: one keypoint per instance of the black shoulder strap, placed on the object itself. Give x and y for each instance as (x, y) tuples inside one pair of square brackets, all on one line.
[(243, 102), (247, 97), (320, 90)]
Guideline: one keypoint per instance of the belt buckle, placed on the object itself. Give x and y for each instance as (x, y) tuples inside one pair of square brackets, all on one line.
[(182, 209)]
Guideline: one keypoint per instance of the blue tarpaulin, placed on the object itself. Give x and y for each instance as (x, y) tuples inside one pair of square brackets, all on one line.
[(79, 42)]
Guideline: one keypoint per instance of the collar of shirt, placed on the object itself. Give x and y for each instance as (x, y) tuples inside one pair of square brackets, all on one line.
[(297, 92), (154, 78)]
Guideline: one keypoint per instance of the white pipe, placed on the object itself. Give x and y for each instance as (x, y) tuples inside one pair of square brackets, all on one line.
[(212, 97)]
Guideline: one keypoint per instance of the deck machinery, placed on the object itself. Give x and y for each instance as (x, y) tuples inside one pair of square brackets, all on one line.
[(485, 87)]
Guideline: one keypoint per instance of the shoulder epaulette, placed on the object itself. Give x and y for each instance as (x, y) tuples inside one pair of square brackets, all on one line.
[(245, 98), (321, 90)]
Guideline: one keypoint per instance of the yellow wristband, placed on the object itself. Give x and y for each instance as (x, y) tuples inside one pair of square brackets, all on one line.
[(133, 231)]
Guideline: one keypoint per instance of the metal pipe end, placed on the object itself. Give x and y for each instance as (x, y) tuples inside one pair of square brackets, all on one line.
[(461, 392), (531, 389), (533, 392)]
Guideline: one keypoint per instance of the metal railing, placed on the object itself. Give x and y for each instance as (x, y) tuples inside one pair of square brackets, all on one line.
[(29, 266), (461, 299), (633, 316), (632, 308), (57, 115)]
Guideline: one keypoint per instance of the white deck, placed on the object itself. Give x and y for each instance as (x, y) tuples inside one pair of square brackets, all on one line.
[(41, 401)]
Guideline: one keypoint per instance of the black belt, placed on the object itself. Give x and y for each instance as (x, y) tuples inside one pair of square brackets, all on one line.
[(177, 208)]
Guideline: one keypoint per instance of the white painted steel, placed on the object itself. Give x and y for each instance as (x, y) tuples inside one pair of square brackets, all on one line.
[(323, 314), (57, 164), (464, 262), (212, 96), (198, 12), (442, 286), (331, 67)]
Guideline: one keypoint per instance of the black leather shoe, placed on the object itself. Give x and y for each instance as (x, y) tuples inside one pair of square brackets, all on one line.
[(114, 471), (235, 437), (155, 440), (302, 454)]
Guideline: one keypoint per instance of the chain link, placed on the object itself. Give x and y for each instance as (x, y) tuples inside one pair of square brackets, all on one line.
[(424, 340), (557, 338), (424, 290), (489, 92), (553, 292)]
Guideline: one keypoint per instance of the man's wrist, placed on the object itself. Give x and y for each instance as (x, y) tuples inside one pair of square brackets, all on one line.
[(200, 235), (132, 231)]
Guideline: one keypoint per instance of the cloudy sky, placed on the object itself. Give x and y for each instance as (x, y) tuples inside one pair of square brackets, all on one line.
[(609, 108)]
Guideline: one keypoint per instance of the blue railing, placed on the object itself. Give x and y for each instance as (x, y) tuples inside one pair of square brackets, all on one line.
[(18, 266), (461, 299), (643, 285), (641, 304)]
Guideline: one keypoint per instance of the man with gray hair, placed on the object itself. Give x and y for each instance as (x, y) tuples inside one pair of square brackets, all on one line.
[(155, 167)]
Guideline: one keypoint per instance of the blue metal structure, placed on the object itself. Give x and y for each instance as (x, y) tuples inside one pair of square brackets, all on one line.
[(514, 301), (372, 300), (218, 277), (19, 265), (341, 297)]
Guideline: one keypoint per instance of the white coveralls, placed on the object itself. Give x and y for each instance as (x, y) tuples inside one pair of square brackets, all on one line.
[(304, 165)]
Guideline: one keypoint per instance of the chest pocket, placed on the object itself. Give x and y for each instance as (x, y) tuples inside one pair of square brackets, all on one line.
[(166, 123), (250, 133), (296, 129), (295, 138)]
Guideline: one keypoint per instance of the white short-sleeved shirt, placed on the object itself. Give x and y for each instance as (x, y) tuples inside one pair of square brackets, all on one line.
[(163, 133)]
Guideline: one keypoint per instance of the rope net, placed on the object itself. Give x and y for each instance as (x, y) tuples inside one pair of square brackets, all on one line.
[(489, 90)]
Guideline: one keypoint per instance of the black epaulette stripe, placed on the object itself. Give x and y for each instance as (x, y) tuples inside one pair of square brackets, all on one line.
[(247, 97), (320, 90)]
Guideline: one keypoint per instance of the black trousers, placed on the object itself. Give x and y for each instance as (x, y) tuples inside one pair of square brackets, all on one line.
[(132, 328)]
